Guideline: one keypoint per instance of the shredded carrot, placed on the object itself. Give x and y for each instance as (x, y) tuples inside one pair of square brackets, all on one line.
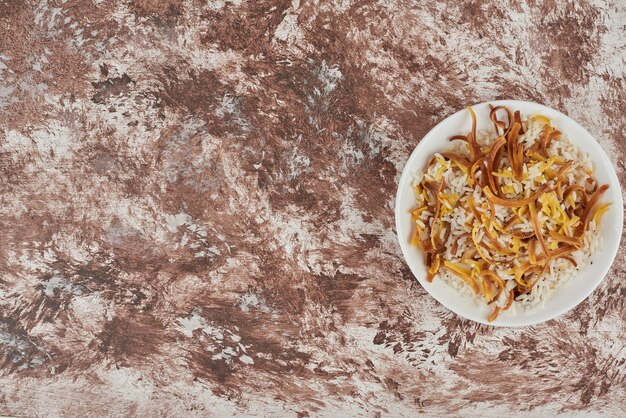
[(491, 160), (494, 315), (435, 267), (471, 138), (493, 115), (477, 245), (537, 227), (463, 273), (532, 252), (459, 160), (510, 301), (512, 203), (588, 213), (599, 212), (415, 236), (555, 236)]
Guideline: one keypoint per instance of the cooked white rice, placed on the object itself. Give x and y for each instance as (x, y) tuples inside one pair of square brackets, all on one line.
[(560, 270)]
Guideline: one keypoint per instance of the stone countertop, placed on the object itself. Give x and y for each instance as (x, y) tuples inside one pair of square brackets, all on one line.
[(197, 207)]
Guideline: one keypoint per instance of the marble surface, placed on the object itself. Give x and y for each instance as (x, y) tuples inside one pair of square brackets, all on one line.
[(197, 207)]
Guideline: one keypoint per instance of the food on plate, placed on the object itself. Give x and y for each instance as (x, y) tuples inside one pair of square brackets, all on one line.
[(507, 214)]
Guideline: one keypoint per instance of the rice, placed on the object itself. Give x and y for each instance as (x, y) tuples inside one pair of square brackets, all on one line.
[(457, 191)]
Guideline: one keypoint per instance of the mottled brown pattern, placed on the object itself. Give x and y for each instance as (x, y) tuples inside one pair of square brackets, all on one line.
[(197, 207)]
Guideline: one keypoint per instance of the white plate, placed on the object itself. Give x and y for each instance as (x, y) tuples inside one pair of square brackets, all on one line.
[(568, 294)]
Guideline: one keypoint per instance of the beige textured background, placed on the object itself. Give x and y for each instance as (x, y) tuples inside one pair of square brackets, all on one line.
[(196, 207)]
